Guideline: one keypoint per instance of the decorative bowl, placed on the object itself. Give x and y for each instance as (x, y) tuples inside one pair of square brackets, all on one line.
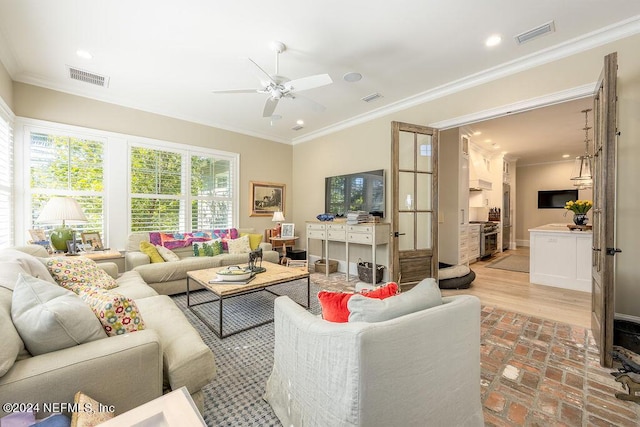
[(234, 273)]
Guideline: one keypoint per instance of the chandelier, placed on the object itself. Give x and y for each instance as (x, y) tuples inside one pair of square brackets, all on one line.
[(581, 175)]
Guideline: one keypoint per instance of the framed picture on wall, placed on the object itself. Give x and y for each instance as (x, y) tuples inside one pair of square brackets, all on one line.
[(287, 230), (266, 198)]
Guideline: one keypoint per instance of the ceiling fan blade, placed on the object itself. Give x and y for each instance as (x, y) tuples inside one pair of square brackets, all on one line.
[(269, 107), (263, 73), (309, 82), (236, 91)]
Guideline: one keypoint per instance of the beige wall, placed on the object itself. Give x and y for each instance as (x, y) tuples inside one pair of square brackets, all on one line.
[(260, 159), (6, 86), (368, 145), (531, 179)]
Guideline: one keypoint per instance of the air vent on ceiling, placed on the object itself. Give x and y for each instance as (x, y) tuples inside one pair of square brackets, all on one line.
[(543, 29), (88, 77), (371, 97), (297, 127)]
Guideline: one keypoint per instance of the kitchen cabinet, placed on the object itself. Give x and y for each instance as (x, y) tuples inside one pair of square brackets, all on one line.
[(473, 245), (560, 257), (453, 199)]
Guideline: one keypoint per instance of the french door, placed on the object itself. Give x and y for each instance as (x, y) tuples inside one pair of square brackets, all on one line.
[(414, 241), (604, 191)]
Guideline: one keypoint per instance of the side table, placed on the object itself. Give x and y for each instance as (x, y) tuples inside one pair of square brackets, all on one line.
[(283, 243)]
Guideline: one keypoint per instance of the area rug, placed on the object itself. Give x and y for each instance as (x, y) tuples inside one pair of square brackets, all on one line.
[(518, 263), (534, 371)]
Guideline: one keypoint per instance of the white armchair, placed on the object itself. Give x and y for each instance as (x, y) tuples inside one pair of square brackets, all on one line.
[(418, 369)]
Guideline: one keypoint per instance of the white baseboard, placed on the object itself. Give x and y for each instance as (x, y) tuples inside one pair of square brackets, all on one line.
[(627, 317), (522, 243)]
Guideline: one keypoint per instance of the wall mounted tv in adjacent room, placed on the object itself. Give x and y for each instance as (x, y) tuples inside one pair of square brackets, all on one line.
[(362, 191), (555, 199)]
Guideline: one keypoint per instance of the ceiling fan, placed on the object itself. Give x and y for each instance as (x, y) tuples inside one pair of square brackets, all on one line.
[(278, 87)]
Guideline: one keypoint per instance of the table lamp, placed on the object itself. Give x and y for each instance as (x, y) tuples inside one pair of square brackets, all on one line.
[(277, 217), (67, 210)]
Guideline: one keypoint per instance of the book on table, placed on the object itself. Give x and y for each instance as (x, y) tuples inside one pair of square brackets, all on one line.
[(219, 281)]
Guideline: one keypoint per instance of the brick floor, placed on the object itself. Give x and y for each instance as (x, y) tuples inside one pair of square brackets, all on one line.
[(536, 372)]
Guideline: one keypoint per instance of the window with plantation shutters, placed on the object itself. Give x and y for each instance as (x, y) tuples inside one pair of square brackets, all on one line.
[(64, 165), (180, 190), (6, 181)]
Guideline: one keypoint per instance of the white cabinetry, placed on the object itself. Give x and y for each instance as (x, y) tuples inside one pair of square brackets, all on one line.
[(371, 234), (453, 196), (473, 237), (560, 257)]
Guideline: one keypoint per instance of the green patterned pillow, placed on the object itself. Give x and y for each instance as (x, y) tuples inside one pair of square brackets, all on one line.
[(208, 249), (74, 272), (117, 313)]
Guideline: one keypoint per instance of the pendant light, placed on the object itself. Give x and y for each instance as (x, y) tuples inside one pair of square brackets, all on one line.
[(581, 175)]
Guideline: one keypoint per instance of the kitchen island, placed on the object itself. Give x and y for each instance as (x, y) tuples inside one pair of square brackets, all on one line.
[(560, 257)]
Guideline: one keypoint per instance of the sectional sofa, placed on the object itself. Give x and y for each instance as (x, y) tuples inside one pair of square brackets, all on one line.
[(123, 370), (169, 278)]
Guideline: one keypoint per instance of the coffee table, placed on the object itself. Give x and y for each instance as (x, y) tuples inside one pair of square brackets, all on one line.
[(275, 274)]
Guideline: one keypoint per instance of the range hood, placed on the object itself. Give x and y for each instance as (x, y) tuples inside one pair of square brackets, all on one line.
[(479, 176)]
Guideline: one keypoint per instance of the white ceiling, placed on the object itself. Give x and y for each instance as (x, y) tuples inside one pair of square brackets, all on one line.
[(166, 57)]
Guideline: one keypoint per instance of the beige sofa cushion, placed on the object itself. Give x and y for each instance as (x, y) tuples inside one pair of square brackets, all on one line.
[(129, 285), (32, 265), (187, 359), (12, 344), (50, 318)]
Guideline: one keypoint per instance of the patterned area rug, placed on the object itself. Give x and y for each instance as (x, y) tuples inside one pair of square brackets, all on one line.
[(512, 263), (535, 372)]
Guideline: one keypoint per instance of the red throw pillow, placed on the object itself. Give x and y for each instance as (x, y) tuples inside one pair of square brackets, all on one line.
[(334, 304), (382, 292)]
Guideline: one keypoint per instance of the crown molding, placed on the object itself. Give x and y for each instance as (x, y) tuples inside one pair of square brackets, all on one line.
[(583, 43)]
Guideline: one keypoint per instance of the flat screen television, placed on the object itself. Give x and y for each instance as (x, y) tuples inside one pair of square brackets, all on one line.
[(362, 191), (555, 199)]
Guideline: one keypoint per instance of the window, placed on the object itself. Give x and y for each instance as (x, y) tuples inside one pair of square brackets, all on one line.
[(159, 196), (62, 165), (6, 181)]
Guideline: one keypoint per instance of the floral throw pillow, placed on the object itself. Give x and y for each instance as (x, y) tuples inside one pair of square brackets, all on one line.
[(117, 313), (74, 272), (239, 246)]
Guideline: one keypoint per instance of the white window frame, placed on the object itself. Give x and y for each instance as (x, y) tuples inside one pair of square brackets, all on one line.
[(7, 116)]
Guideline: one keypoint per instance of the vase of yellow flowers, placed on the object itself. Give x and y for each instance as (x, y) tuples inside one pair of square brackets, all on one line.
[(579, 209)]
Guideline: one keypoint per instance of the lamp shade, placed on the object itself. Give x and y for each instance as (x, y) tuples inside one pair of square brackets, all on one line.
[(278, 217), (65, 209)]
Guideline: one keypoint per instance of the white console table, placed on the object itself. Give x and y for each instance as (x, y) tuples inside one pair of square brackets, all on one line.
[(372, 234), (560, 257)]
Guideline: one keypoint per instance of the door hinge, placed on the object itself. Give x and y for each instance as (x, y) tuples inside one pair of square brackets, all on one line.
[(613, 251)]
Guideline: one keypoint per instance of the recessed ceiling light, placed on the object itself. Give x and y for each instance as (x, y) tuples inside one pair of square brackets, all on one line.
[(487, 141), (84, 54), (300, 122), (493, 40), (566, 156), (476, 133), (352, 77)]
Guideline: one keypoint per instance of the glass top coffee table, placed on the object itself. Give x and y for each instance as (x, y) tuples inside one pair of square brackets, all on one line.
[(275, 274)]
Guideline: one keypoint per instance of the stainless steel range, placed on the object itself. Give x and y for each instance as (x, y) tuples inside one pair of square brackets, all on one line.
[(488, 237)]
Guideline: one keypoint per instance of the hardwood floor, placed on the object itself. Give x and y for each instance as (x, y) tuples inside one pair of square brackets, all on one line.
[(512, 291)]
